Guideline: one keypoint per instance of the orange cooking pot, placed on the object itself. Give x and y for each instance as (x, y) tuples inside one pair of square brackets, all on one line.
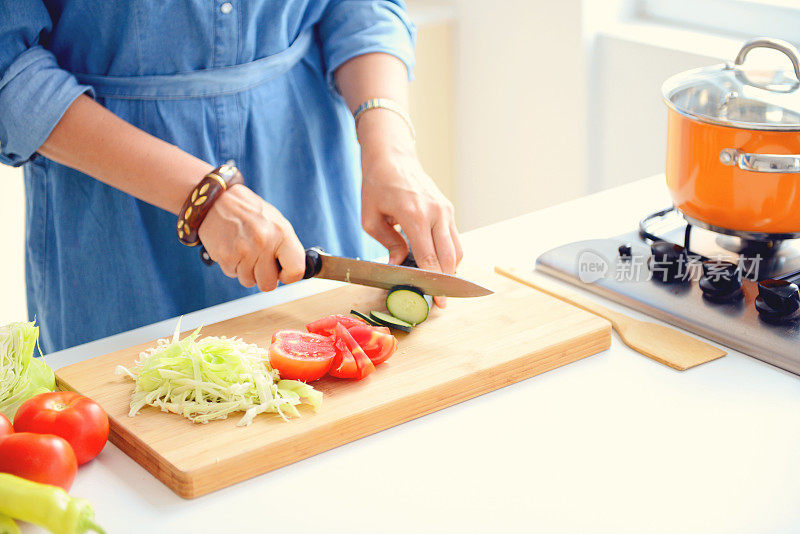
[(733, 149)]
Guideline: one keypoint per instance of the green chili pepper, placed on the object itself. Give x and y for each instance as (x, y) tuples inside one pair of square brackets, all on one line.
[(47, 506), (8, 526)]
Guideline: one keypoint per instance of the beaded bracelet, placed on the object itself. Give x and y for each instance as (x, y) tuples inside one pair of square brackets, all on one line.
[(202, 198)]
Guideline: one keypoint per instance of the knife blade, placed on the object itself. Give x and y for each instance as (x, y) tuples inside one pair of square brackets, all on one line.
[(381, 275), (320, 264)]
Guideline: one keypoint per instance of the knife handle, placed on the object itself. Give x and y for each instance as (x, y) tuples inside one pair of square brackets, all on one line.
[(313, 261)]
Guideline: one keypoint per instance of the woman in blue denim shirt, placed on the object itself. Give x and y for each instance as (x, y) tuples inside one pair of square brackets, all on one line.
[(118, 109)]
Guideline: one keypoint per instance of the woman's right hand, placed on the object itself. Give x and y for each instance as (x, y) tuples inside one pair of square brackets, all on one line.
[(246, 235)]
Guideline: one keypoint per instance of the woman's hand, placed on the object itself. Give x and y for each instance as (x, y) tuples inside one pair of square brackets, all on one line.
[(396, 191), (245, 235)]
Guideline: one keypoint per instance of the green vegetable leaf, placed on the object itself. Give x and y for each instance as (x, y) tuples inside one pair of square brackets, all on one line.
[(21, 375)]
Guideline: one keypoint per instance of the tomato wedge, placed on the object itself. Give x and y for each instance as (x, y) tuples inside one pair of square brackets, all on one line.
[(301, 355), (358, 346), (326, 325), (344, 364), (364, 365), (376, 341)]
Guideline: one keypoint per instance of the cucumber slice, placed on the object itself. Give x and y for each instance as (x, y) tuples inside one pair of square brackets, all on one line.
[(384, 319), (408, 304), (364, 317)]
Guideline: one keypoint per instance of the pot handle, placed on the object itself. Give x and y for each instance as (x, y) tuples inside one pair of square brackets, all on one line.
[(776, 44), (760, 162)]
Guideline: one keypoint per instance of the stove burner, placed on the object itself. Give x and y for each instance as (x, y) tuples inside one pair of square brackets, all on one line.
[(759, 256), (748, 247), (744, 234), (747, 294)]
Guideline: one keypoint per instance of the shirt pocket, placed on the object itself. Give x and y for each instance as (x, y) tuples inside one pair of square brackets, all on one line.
[(174, 36)]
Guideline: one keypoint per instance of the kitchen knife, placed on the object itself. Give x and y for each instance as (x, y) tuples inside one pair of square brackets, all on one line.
[(369, 273)]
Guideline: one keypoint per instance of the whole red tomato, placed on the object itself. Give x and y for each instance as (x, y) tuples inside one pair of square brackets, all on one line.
[(42, 458), (5, 426), (77, 419)]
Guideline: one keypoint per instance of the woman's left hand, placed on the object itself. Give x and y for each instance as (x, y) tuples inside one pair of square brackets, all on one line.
[(397, 191)]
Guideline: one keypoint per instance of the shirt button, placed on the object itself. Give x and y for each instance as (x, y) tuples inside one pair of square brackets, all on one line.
[(226, 8)]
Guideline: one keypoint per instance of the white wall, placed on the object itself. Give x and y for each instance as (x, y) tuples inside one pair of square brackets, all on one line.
[(431, 93), (520, 107)]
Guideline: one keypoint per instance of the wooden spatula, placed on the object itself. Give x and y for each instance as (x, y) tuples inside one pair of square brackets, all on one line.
[(661, 343)]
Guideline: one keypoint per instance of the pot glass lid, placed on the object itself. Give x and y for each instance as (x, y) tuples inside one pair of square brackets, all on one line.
[(733, 95)]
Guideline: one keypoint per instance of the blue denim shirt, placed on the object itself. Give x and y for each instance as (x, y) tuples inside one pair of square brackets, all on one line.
[(248, 80)]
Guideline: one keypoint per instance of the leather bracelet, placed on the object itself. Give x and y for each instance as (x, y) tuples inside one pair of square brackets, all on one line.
[(202, 198)]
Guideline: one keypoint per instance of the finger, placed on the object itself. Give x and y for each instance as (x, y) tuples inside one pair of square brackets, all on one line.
[(445, 249), (292, 257), (244, 271), (228, 268), (378, 227), (456, 243), (421, 238), (266, 271), (445, 252)]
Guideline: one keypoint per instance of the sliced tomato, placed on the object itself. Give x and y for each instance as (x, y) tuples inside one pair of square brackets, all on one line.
[(326, 325), (301, 355), (364, 365), (344, 364), (376, 341)]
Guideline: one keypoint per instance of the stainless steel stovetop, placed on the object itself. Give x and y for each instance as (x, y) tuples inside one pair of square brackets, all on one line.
[(630, 277)]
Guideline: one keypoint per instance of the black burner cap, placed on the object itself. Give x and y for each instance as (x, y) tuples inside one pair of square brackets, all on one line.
[(668, 262), (778, 299), (721, 281)]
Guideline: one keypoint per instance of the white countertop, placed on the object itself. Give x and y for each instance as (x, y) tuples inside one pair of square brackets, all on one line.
[(614, 443)]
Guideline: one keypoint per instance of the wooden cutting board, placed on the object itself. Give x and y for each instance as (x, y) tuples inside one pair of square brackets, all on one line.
[(473, 347)]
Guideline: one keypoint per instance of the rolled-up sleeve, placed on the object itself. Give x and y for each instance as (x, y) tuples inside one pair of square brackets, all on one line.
[(350, 28), (34, 91)]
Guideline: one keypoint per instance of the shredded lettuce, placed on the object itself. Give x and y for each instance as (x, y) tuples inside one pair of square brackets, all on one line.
[(21, 375), (208, 378)]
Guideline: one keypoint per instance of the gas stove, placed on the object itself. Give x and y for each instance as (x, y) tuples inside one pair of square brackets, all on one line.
[(738, 289)]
